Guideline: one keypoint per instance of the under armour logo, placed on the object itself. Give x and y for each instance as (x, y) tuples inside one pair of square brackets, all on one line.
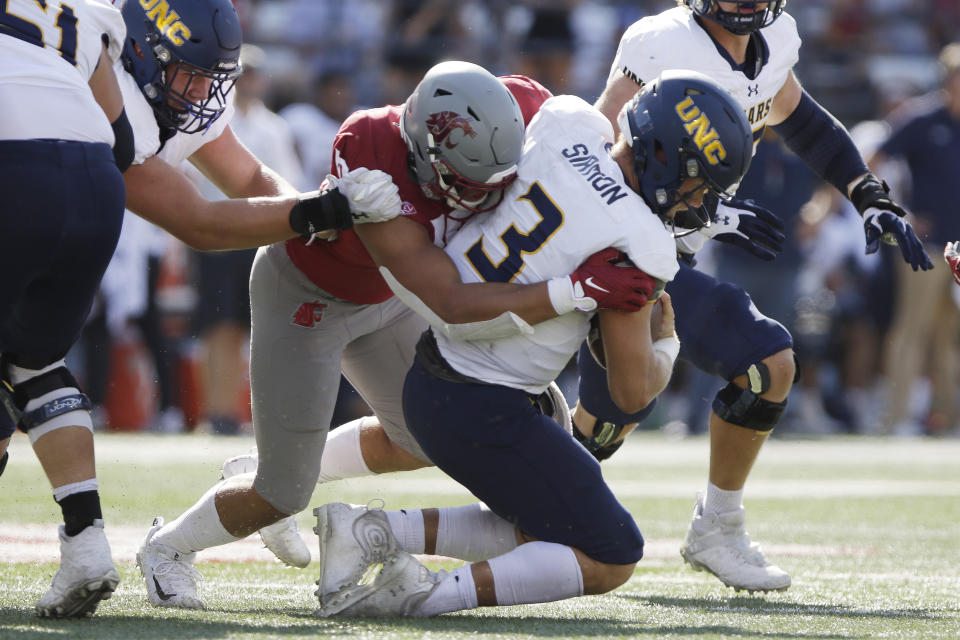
[(753, 90), (724, 220), (308, 314)]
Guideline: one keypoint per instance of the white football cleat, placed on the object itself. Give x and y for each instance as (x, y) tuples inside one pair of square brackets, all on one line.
[(719, 544), (281, 537), (170, 576), (352, 538), (85, 577), (399, 589)]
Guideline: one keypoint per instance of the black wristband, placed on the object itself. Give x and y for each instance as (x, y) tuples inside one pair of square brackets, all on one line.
[(873, 192), (320, 211)]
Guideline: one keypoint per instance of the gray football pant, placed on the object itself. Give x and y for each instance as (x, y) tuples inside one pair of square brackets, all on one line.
[(295, 371)]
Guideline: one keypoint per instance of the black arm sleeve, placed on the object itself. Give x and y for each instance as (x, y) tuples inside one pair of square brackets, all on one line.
[(821, 141), (319, 211), (123, 141)]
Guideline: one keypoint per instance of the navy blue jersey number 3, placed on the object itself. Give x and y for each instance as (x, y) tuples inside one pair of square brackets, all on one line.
[(24, 28), (517, 242)]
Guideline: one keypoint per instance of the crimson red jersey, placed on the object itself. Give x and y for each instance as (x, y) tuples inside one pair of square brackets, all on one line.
[(371, 139)]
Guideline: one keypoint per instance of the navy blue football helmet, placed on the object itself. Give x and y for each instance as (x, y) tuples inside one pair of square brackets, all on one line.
[(169, 40), (747, 17), (684, 125)]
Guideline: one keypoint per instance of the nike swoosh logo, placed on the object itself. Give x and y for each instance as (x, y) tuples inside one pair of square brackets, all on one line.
[(160, 593), (590, 283)]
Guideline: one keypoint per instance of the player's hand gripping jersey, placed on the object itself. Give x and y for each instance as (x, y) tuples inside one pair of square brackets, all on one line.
[(569, 201), (650, 46), (53, 101), (372, 139)]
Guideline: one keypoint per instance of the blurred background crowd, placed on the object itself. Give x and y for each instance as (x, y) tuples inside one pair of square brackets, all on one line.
[(166, 346)]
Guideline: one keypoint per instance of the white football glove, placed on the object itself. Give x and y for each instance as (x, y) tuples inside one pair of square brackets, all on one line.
[(372, 195)]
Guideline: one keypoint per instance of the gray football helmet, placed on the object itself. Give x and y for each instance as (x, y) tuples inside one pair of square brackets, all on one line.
[(464, 131)]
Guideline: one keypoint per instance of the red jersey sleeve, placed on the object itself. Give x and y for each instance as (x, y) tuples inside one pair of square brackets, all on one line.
[(528, 92)]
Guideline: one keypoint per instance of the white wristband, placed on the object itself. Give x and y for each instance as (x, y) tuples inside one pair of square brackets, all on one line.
[(564, 298), (669, 346)]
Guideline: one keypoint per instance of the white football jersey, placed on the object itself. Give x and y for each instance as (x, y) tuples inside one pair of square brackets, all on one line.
[(48, 51), (569, 201), (673, 40)]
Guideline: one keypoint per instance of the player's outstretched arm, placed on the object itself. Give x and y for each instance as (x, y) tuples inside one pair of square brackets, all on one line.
[(163, 195), (822, 142)]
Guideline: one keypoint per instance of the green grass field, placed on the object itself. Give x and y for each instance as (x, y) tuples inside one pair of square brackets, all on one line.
[(869, 529)]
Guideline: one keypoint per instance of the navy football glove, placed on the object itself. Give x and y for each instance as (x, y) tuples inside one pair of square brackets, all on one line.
[(883, 220), (749, 226)]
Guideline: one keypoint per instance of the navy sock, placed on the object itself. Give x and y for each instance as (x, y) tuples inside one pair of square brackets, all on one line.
[(80, 510)]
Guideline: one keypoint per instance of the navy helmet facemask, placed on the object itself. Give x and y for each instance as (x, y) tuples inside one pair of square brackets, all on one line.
[(747, 16), (169, 40), (683, 125)]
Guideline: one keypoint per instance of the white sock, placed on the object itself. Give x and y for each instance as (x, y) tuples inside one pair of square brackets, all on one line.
[(718, 500), (536, 572), (61, 492), (473, 532), (408, 529), (342, 457), (455, 592), (197, 528)]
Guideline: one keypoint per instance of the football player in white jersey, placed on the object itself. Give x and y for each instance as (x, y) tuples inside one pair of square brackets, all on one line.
[(552, 529), (750, 48), (62, 194)]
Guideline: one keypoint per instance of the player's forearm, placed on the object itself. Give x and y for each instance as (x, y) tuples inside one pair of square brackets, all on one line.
[(240, 224), (464, 303)]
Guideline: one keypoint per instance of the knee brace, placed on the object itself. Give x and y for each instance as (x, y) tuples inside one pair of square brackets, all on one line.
[(601, 444), (53, 388), (745, 407)]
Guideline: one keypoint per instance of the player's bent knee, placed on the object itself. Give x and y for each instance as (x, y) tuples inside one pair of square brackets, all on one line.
[(783, 370), (608, 577), (745, 408), (43, 400)]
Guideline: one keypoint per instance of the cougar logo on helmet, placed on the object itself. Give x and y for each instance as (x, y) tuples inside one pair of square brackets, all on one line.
[(442, 124)]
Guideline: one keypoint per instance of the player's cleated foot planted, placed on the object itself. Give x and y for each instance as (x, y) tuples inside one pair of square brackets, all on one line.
[(169, 575), (85, 577), (401, 586), (719, 544), (352, 538)]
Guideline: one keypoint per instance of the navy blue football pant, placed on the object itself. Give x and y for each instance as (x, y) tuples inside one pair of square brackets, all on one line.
[(721, 332), (520, 463), (62, 209)]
